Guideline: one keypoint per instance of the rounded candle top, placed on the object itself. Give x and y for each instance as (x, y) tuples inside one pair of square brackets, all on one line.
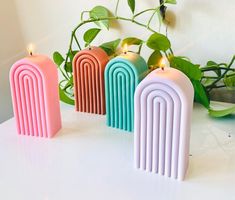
[(172, 76), (37, 58)]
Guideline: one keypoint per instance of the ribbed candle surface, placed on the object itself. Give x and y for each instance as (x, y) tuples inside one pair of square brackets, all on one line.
[(163, 107), (122, 75), (88, 70), (34, 88)]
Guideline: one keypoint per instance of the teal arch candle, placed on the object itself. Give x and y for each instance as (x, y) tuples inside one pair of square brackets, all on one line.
[(122, 75)]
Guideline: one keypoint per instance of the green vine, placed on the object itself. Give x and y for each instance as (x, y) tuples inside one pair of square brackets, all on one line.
[(200, 77)]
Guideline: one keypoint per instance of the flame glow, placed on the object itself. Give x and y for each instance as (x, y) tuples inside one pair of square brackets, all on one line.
[(162, 63), (30, 49), (125, 48)]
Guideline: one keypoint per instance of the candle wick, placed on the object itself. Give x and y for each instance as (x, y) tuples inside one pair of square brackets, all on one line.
[(162, 68), (30, 53)]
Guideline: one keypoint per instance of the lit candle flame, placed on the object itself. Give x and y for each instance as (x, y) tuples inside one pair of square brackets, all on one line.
[(125, 48), (162, 63), (30, 49)]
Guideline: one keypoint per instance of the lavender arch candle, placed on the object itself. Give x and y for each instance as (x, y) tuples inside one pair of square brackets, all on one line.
[(163, 107), (34, 89), (122, 75), (88, 70)]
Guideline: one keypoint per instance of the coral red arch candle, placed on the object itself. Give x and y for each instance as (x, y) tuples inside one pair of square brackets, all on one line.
[(88, 70), (34, 88)]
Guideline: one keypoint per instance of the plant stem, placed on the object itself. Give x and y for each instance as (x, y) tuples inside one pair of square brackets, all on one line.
[(83, 22), (148, 24), (140, 47), (210, 77), (140, 13), (213, 85), (219, 86), (229, 75), (83, 14), (172, 53), (73, 35), (116, 8), (215, 68), (77, 42), (156, 10), (65, 75), (136, 22), (70, 50)]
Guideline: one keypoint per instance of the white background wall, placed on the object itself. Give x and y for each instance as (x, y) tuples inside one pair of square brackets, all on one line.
[(11, 46), (203, 30)]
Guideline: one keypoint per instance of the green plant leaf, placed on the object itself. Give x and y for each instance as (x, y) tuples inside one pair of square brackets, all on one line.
[(200, 95), (90, 35), (64, 98), (68, 67), (69, 83), (207, 81), (213, 66), (211, 63), (185, 58), (158, 41), (154, 58), (110, 47), (222, 112), (71, 55), (229, 81), (131, 41), (99, 12), (171, 1), (68, 87), (131, 4), (58, 58), (188, 68)]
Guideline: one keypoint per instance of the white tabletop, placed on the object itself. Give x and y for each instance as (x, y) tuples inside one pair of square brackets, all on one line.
[(89, 161)]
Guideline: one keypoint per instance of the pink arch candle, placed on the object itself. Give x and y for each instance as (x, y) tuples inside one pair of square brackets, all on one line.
[(163, 107), (35, 98), (88, 70)]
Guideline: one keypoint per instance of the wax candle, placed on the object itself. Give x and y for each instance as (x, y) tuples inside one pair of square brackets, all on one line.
[(122, 75), (35, 98), (163, 106), (88, 70)]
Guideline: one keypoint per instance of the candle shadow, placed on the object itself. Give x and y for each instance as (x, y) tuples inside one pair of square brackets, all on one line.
[(115, 24), (81, 124), (213, 153), (10, 33)]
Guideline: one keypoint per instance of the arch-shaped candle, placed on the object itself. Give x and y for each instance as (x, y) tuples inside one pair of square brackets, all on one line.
[(88, 70), (34, 88), (163, 106), (122, 75)]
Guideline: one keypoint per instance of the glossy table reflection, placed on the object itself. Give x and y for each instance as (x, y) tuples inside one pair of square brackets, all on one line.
[(88, 160)]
